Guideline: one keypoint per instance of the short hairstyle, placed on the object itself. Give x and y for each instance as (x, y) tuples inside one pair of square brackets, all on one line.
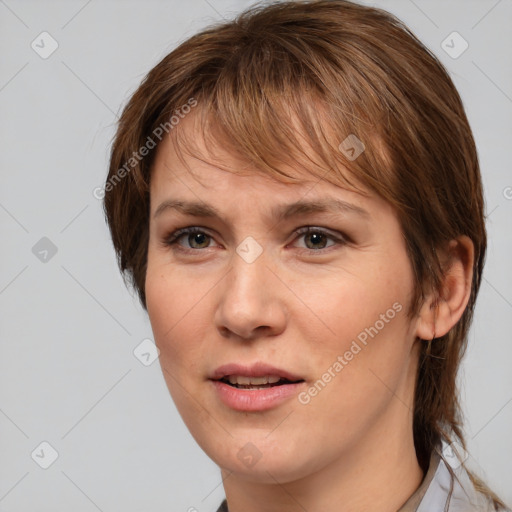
[(287, 83)]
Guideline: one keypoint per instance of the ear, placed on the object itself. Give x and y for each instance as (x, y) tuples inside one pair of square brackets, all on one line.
[(443, 308)]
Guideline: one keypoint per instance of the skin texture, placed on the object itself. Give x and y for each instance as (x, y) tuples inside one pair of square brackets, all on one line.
[(298, 306)]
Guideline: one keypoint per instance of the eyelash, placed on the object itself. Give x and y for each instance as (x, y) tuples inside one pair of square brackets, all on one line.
[(173, 238)]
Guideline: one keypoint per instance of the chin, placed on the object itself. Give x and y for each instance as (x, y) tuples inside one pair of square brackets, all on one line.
[(261, 462)]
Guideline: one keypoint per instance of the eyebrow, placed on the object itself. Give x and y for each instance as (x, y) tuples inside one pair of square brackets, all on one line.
[(280, 212)]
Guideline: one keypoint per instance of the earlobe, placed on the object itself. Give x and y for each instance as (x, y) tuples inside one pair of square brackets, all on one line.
[(443, 308)]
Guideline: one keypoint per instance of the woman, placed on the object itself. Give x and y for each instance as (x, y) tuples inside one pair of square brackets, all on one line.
[(296, 197)]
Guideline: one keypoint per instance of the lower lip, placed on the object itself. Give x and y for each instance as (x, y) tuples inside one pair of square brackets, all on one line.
[(255, 399)]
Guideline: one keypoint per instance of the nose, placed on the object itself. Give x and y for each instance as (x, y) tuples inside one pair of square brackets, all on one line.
[(251, 301)]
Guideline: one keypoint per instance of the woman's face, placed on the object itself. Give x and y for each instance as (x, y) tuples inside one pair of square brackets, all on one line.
[(308, 283)]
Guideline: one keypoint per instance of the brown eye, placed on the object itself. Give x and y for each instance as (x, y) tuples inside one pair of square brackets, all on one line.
[(201, 239), (315, 240), (189, 239)]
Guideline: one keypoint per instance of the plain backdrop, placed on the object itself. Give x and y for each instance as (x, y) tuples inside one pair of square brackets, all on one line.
[(69, 377)]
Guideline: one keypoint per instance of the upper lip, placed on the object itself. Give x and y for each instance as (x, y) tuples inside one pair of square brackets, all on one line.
[(258, 369)]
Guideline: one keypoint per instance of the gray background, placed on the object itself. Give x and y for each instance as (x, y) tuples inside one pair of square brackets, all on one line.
[(68, 374)]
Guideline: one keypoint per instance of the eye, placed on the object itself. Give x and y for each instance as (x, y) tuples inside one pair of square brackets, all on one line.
[(194, 238), (316, 239)]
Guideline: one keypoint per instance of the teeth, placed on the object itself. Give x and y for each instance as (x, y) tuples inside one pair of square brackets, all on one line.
[(257, 381)]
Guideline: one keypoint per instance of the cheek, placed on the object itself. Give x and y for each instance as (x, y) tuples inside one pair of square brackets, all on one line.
[(364, 317), (177, 322), (171, 303), (351, 300)]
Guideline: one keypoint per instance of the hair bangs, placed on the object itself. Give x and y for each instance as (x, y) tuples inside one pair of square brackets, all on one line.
[(273, 115)]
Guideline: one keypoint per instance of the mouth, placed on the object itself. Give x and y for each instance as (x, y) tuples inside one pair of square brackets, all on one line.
[(255, 388), (267, 381)]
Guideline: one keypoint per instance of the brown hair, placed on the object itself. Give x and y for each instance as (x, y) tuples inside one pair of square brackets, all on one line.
[(290, 75)]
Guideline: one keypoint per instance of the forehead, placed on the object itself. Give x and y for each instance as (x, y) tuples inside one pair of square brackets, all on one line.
[(180, 176), (223, 186)]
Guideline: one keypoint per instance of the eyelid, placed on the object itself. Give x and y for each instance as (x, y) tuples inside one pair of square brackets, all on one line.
[(173, 237), (317, 229)]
